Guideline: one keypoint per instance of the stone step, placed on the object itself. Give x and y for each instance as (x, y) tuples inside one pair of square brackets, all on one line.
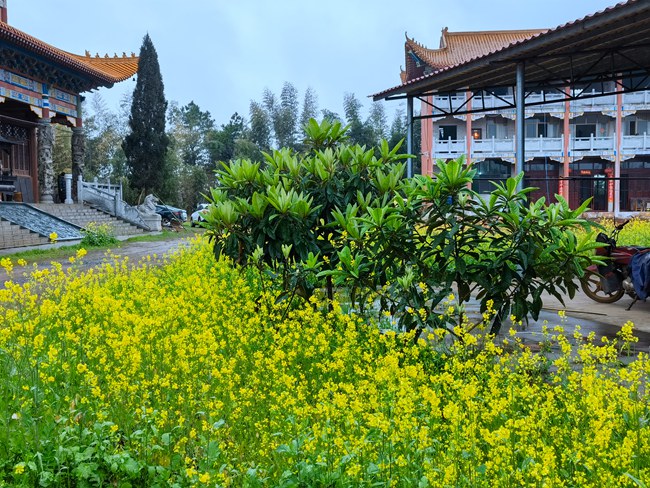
[(83, 215), (12, 235), (30, 217)]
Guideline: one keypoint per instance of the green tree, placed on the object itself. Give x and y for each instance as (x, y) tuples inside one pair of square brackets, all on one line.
[(193, 183), (104, 131), (331, 116), (223, 141), (190, 128), (260, 126), (309, 108), (359, 132), (61, 155), (377, 123), (398, 130), (145, 146), (285, 117)]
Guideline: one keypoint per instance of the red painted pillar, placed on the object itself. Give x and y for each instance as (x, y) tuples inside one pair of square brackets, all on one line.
[(468, 129), (617, 158), (564, 181), (426, 129)]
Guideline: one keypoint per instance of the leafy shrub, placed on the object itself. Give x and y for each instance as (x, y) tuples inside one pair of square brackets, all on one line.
[(98, 235), (342, 215)]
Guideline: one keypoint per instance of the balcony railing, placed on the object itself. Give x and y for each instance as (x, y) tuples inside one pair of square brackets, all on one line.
[(494, 104), (443, 102), (545, 146), (595, 103), (592, 144), (449, 147), (493, 146), (542, 146), (556, 106), (635, 144), (636, 98)]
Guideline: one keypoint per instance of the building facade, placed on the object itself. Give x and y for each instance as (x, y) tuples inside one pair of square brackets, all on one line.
[(596, 145), (41, 85)]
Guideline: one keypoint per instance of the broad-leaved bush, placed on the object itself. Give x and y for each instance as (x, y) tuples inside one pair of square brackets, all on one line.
[(343, 217)]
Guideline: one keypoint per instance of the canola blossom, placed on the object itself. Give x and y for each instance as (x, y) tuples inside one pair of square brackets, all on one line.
[(188, 373)]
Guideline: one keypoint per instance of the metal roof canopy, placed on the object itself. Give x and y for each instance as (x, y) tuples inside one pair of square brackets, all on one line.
[(605, 46)]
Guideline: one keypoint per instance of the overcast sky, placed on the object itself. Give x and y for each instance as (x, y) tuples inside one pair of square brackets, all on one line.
[(223, 53)]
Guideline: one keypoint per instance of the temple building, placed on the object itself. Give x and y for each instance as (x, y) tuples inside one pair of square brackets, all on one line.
[(585, 100), (41, 85)]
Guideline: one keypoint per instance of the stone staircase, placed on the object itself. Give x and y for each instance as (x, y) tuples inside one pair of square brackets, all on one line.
[(12, 235), (24, 225), (82, 215)]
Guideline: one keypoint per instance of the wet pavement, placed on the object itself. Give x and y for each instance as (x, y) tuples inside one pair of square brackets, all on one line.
[(604, 320), (135, 251)]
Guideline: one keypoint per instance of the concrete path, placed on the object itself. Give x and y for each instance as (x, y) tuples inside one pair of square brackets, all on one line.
[(134, 250)]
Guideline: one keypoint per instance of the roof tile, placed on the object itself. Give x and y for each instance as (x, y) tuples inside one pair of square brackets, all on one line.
[(105, 70), (459, 47)]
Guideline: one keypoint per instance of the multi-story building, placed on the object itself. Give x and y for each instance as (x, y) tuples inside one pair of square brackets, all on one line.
[(595, 142)]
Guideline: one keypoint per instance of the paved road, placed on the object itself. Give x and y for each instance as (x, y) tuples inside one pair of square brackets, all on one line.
[(134, 250), (603, 319)]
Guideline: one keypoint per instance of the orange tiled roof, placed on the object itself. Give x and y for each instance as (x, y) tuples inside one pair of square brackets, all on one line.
[(106, 71), (119, 67), (459, 47)]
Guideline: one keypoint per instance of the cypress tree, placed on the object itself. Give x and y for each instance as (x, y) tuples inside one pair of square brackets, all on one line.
[(146, 144)]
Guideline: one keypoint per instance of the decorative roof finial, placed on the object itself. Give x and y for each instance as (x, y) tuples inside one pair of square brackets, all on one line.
[(3, 11), (443, 38)]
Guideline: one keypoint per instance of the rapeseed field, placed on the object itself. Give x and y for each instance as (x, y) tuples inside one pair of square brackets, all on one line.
[(189, 374)]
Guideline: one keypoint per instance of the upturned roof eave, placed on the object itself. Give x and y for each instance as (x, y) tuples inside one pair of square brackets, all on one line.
[(514, 52)]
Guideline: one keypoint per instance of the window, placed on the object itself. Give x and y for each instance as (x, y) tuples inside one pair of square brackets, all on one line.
[(488, 171), (637, 127), (491, 128), (632, 131), (585, 130), (446, 132), (535, 128)]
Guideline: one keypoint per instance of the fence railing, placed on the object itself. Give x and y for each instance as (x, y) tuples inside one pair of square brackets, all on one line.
[(108, 198)]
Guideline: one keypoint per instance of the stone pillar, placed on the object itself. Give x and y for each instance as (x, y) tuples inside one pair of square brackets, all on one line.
[(68, 189), (45, 161), (78, 152)]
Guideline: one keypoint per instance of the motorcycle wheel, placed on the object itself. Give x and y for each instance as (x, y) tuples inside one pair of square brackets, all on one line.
[(591, 286)]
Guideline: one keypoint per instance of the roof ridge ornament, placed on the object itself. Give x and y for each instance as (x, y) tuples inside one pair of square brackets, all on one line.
[(3, 11), (443, 38)]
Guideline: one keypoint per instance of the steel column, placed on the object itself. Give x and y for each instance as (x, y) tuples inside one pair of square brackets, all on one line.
[(618, 158), (520, 151), (409, 136)]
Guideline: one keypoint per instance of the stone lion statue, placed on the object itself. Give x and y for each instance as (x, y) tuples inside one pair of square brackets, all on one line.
[(149, 205)]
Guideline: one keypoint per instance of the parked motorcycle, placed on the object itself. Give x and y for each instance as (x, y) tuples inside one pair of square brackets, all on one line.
[(620, 275)]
